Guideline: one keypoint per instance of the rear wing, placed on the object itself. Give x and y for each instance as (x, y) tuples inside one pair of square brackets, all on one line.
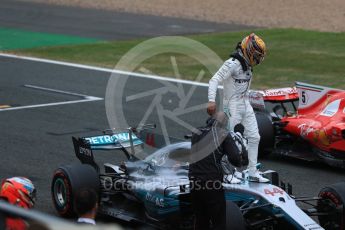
[(258, 98), (83, 151), (280, 94), (112, 139)]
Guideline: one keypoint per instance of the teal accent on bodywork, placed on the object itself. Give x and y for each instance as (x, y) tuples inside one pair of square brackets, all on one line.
[(116, 140), (235, 197), (158, 205)]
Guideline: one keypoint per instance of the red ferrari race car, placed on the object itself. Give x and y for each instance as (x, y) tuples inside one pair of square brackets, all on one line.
[(308, 122)]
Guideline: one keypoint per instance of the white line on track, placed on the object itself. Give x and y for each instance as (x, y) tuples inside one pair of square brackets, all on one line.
[(88, 67), (86, 98), (51, 104), (58, 91)]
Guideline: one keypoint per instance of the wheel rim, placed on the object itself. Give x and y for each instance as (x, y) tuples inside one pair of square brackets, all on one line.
[(60, 192)]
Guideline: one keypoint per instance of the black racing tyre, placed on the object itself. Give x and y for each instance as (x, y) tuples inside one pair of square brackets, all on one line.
[(266, 131), (332, 203), (2, 220), (234, 217), (67, 180)]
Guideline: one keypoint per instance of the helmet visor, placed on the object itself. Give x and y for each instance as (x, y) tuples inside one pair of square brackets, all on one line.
[(258, 57)]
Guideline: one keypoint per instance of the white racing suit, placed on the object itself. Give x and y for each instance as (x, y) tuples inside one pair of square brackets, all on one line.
[(236, 83)]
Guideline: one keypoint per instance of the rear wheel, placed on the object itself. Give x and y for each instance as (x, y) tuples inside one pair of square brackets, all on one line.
[(266, 132), (332, 204), (67, 180)]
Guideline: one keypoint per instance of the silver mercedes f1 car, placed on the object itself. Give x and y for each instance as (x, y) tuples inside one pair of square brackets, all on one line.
[(155, 190)]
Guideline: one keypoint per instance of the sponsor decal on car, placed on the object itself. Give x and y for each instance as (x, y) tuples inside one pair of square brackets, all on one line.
[(331, 109), (306, 129), (320, 136), (85, 151), (280, 92), (312, 226), (273, 192), (154, 199), (119, 138)]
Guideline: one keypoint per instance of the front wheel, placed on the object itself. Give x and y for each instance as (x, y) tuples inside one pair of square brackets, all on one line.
[(234, 217), (332, 202)]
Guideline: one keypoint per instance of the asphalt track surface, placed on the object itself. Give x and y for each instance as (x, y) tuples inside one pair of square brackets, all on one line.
[(35, 141), (100, 24)]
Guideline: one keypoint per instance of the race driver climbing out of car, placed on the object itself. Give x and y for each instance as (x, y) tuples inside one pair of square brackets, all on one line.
[(236, 75)]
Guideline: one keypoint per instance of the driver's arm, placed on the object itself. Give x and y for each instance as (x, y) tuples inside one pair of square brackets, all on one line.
[(225, 71)]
